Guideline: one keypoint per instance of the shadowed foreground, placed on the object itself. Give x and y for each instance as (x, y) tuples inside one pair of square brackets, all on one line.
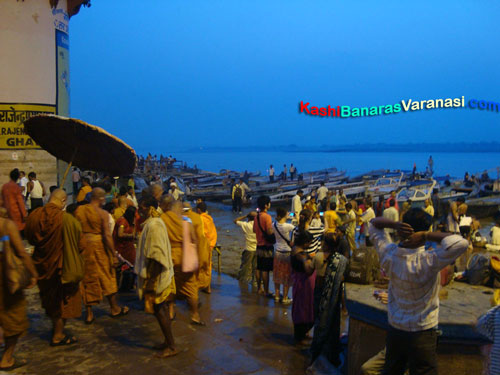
[(253, 335)]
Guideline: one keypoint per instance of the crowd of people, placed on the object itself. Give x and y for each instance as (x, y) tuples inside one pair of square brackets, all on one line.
[(83, 250), (308, 249), (163, 249)]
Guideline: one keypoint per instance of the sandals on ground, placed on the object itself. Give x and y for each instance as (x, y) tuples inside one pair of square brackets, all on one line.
[(67, 340), (123, 311)]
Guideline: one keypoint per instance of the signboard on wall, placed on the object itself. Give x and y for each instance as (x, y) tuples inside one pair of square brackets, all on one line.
[(12, 116)]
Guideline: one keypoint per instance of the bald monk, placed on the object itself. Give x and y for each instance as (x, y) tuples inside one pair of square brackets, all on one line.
[(50, 229), (99, 256), (122, 207), (205, 274), (13, 318), (13, 200), (186, 283)]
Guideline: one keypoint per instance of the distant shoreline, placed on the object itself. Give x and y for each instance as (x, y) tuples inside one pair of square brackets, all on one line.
[(486, 147)]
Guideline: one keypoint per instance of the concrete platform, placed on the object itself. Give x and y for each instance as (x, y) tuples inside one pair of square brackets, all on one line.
[(254, 336)]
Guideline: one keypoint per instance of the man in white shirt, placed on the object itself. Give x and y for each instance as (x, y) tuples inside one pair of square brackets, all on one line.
[(23, 182), (271, 173), (367, 216), (391, 213), (413, 309), (322, 192), (297, 205), (248, 257)]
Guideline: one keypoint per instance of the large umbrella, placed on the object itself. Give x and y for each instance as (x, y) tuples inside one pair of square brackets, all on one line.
[(83, 145)]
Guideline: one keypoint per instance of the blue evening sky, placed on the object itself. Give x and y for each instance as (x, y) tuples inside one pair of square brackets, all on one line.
[(171, 75)]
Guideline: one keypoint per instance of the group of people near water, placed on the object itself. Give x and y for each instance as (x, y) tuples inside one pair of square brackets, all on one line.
[(308, 249), (79, 247)]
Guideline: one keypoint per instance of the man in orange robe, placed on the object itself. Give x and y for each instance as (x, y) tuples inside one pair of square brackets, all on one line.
[(13, 200), (186, 283), (205, 273), (99, 256), (46, 229)]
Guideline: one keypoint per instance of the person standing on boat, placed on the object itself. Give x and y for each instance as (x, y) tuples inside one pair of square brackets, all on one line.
[(430, 162), (284, 172), (297, 205), (293, 171), (271, 173)]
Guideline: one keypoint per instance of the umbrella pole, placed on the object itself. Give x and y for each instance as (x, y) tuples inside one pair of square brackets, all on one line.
[(66, 173), (69, 167)]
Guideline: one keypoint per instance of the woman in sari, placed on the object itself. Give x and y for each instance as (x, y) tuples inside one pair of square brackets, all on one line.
[(326, 341), (303, 276), (124, 234)]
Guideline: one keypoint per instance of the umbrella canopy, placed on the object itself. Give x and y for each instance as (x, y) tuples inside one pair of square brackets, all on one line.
[(85, 146)]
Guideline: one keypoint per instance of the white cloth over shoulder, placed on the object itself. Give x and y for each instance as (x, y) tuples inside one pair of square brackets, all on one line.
[(154, 245)]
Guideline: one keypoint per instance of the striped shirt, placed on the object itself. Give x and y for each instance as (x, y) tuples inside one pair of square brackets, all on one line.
[(489, 325), (414, 279), (317, 233)]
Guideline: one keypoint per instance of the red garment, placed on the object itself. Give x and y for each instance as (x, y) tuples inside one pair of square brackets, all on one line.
[(124, 246), (14, 203), (265, 222), (387, 205)]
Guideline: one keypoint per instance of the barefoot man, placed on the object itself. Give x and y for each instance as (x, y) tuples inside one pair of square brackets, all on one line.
[(155, 271), (13, 319), (50, 230), (99, 256)]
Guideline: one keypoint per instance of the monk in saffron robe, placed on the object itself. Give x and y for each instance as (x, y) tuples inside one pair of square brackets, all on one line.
[(13, 200), (13, 318), (205, 274), (203, 247), (99, 256), (155, 271), (50, 229), (186, 283)]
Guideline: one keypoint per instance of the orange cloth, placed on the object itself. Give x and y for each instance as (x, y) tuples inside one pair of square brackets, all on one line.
[(203, 246), (13, 318), (118, 213), (333, 220), (186, 283), (210, 232), (100, 278), (84, 190), (209, 229), (44, 230), (14, 203)]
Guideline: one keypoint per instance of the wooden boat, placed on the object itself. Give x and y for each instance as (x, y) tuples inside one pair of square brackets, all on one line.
[(385, 184), (417, 191), (483, 207)]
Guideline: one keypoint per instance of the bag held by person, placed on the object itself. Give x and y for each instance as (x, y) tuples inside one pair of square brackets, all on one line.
[(190, 260), (16, 274), (270, 238)]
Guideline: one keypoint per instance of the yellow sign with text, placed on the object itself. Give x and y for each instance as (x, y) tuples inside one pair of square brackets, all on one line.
[(12, 117)]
